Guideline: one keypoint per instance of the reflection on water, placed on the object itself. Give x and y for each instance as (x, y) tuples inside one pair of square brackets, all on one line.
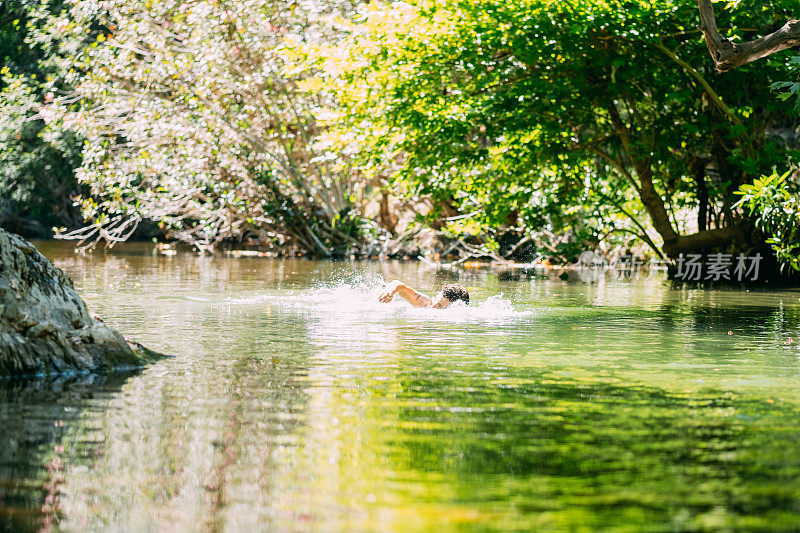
[(297, 402), (35, 418)]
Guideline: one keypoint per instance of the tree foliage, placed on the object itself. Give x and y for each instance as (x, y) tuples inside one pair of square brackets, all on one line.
[(193, 116), (557, 113), (774, 202), (37, 174), (562, 124)]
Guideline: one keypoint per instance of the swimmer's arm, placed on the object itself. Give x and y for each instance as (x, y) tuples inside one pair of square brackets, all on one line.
[(405, 292)]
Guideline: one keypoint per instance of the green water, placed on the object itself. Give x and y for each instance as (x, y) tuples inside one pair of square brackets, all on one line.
[(295, 402)]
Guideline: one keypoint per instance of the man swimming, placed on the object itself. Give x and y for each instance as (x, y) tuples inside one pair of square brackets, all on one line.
[(449, 294)]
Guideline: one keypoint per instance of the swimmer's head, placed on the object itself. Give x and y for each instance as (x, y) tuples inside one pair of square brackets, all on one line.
[(451, 293)]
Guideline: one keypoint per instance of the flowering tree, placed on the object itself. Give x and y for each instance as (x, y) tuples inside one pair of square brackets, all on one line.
[(194, 116)]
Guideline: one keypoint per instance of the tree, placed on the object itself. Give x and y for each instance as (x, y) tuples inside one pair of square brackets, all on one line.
[(194, 117), (543, 109), (773, 200), (37, 173)]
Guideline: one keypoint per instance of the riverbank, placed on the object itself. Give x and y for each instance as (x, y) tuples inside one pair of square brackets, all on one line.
[(589, 267)]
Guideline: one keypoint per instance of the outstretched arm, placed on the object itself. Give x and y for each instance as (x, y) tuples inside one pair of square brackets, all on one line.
[(407, 293)]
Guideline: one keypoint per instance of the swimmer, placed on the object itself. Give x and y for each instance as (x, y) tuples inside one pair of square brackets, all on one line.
[(448, 295)]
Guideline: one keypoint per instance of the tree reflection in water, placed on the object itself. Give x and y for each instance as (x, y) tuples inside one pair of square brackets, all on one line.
[(296, 402), (35, 419)]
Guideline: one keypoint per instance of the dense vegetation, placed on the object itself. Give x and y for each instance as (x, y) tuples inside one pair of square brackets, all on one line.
[(563, 115), (538, 127), (36, 175)]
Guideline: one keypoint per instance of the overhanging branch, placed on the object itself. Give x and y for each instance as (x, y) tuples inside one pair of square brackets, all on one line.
[(728, 55), (703, 240)]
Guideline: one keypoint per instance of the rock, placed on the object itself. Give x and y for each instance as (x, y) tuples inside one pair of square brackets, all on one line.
[(45, 327)]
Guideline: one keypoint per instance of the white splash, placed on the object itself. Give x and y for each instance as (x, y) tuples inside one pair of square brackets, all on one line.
[(361, 297), (356, 300)]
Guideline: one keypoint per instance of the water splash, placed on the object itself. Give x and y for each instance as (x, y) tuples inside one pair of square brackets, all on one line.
[(360, 296), (354, 299)]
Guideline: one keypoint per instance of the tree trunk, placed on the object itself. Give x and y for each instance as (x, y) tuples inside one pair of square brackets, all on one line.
[(654, 204), (387, 219), (45, 327), (697, 166), (704, 240), (675, 243)]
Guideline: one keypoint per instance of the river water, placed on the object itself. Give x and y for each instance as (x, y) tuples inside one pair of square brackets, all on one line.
[(294, 401)]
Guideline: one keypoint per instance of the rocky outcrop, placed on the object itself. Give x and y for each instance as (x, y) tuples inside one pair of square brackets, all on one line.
[(45, 327)]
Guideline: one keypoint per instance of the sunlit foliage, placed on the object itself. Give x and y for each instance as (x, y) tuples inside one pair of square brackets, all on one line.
[(557, 115), (36, 176), (774, 201), (557, 125), (193, 118)]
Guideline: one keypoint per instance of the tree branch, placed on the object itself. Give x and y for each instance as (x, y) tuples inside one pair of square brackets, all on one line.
[(728, 55), (712, 94), (703, 240)]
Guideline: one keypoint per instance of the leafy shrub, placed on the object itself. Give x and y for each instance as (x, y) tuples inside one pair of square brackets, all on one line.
[(775, 203)]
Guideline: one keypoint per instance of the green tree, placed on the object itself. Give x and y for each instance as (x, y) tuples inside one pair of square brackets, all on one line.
[(773, 201), (558, 112), (36, 166)]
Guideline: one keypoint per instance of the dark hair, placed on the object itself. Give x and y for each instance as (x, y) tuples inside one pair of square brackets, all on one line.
[(455, 292)]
